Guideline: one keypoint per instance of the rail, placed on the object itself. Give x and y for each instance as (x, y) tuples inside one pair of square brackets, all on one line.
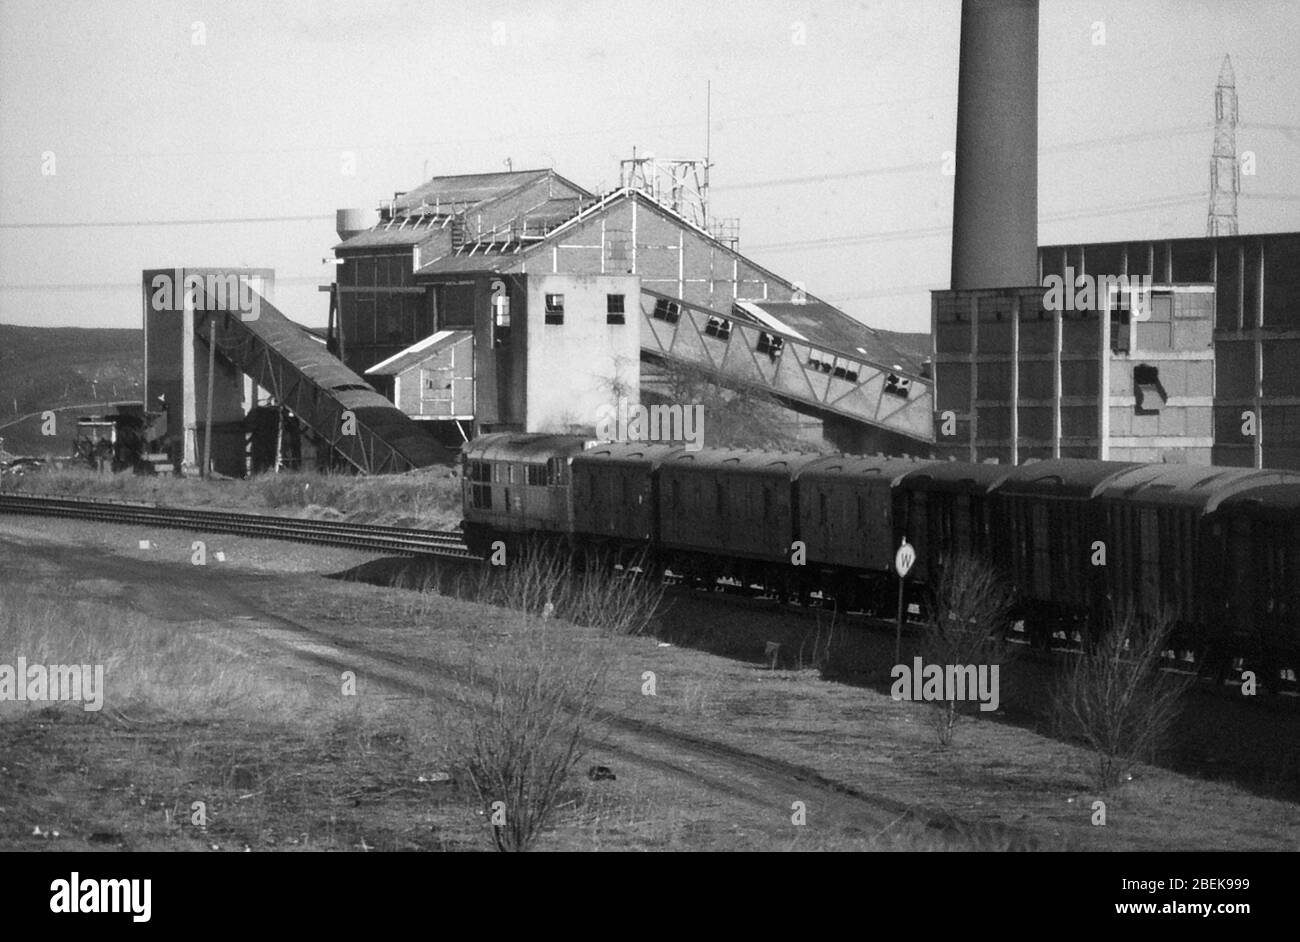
[(397, 540)]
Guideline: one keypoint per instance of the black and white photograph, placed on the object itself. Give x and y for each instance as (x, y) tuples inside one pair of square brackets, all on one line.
[(630, 426)]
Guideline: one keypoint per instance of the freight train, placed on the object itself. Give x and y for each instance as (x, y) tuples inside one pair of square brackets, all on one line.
[(1213, 552)]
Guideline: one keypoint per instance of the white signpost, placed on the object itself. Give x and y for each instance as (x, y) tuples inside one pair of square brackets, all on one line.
[(903, 561)]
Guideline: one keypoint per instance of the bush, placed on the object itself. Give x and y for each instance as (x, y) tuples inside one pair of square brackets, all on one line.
[(969, 608), (548, 582), (1116, 699), (523, 744)]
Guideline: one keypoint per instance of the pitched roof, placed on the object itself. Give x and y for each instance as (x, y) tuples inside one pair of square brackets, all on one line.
[(417, 352), (466, 188), (814, 320), (393, 233), (821, 323), (471, 189)]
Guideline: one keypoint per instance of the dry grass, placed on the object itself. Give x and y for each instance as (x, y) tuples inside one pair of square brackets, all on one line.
[(430, 497), (149, 668), (547, 584)]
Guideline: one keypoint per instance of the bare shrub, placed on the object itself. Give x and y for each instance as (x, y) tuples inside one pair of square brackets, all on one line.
[(1115, 697), (734, 419), (528, 719), (971, 603), (823, 638), (548, 582)]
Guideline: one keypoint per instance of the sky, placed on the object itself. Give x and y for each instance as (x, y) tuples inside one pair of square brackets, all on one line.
[(137, 134)]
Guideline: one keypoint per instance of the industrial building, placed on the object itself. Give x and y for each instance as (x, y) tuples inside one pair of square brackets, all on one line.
[(562, 296), (1201, 371), (245, 388), (521, 301)]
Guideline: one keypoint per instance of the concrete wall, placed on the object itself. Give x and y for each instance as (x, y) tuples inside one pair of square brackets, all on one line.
[(421, 390), (176, 365), (1016, 381), (574, 368), (1256, 281), (1176, 340)]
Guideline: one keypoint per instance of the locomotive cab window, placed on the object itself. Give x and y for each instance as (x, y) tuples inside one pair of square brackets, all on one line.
[(557, 472)]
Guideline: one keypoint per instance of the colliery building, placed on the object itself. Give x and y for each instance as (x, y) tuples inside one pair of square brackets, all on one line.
[(1203, 371), (1207, 374), (521, 301)]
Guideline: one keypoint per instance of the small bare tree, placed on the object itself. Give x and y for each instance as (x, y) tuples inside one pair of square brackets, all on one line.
[(522, 745), (1117, 699), (970, 606)]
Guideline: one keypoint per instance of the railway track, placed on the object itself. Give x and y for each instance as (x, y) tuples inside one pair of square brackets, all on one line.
[(397, 540)]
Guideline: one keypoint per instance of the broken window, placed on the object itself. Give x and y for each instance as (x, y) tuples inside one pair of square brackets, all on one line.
[(667, 310), (536, 475), (555, 309), (614, 309), (770, 344), (848, 371), (1149, 393), (899, 386), (718, 327)]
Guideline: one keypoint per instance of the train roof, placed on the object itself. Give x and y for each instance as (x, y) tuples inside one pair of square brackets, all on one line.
[(1264, 500), (640, 454), (521, 446), (956, 477), (1077, 478), (1202, 487), (839, 467), (740, 461)]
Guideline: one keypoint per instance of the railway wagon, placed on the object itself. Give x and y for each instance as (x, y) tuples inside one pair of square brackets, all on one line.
[(1256, 536), (516, 487), (1050, 535), (1165, 563), (729, 513), (616, 497), (947, 510), (846, 519)]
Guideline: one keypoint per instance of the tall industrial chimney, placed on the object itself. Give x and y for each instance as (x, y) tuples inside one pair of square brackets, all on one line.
[(995, 194)]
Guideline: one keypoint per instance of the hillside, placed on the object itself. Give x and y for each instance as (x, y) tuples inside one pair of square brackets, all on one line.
[(79, 371), (76, 369)]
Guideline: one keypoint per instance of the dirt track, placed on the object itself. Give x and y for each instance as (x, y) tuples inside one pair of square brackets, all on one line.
[(186, 594)]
